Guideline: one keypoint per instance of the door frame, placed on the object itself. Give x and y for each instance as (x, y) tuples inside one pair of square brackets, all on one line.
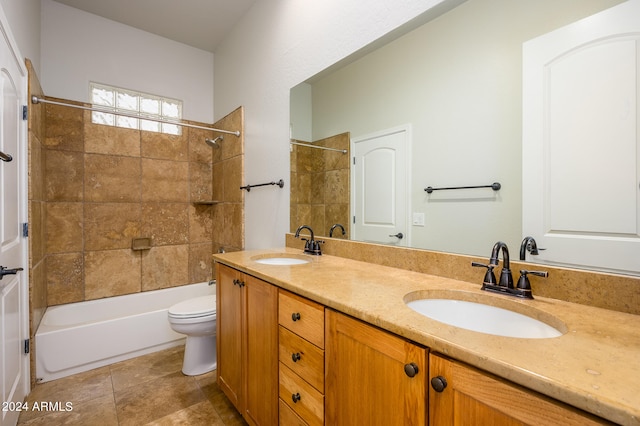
[(406, 168), (22, 159)]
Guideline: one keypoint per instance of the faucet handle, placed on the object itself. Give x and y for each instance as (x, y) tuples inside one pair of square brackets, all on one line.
[(489, 277), (523, 281), (524, 286)]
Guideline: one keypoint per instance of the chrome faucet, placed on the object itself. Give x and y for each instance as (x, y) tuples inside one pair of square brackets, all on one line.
[(528, 244), (311, 246), (337, 225), (505, 286)]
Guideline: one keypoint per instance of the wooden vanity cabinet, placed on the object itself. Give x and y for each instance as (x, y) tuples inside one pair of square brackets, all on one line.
[(247, 344), (368, 375), (301, 355), (350, 372), (471, 396)]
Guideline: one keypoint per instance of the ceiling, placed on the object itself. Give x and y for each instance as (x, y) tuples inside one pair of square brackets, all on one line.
[(198, 23)]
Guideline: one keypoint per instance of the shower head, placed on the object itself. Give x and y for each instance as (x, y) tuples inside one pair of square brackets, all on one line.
[(213, 143)]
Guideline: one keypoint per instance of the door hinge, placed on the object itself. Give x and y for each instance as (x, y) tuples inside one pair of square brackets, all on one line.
[(25, 230), (354, 161), (25, 111), (354, 219), (27, 344)]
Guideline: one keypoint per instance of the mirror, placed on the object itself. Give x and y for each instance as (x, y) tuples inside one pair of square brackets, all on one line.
[(456, 81)]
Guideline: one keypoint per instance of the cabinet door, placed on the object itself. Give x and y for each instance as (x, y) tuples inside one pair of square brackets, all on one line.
[(474, 397), (229, 301), (261, 318), (366, 381)]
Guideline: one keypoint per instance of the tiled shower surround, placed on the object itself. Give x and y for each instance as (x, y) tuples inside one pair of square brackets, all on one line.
[(320, 185), (93, 189)]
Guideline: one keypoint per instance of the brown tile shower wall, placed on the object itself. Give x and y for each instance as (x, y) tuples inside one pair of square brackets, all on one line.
[(105, 186), (320, 184)]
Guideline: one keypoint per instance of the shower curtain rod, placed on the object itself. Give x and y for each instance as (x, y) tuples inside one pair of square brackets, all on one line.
[(296, 142), (37, 100)]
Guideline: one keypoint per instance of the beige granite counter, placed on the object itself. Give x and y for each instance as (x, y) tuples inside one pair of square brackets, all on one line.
[(594, 366)]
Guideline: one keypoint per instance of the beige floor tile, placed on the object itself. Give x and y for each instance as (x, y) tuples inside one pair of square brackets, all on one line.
[(145, 368), (148, 390), (157, 398), (75, 389), (98, 411), (201, 414)]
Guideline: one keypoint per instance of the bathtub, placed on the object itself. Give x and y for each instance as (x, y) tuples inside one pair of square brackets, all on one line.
[(82, 336)]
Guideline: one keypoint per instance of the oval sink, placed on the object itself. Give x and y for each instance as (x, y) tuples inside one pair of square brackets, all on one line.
[(448, 308), (280, 259)]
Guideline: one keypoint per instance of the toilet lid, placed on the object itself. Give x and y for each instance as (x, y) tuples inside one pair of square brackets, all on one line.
[(196, 307)]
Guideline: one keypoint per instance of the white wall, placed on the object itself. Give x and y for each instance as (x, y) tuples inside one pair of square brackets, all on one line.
[(79, 47), (278, 44), (24, 19), (301, 113)]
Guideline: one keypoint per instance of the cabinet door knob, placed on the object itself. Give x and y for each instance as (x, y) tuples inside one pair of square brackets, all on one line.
[(411, 369), (295, 397), (295, 316), (438, 383), (295, 357)]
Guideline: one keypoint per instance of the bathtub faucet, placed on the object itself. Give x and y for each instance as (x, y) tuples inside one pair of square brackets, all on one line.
[(311, 246)]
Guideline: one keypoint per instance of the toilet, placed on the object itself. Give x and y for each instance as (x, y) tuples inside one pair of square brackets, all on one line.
[(197, 319)]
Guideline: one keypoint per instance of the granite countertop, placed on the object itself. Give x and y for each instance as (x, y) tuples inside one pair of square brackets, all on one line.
[(594, 366)]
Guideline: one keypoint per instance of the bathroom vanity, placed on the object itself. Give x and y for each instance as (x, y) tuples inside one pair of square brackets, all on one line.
[(328, 338)]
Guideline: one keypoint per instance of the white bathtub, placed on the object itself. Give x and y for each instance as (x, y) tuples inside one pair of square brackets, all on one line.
[(82, 336)]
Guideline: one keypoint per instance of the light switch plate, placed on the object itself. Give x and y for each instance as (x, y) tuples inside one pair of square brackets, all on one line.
[(418, 219)]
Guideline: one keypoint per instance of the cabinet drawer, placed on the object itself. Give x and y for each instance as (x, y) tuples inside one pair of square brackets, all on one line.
[(302, 316), (303, 358), (288, 417), (308, 403)]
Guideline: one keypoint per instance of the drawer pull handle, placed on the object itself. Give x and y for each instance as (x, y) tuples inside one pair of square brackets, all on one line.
[(438, 383), (295, 357), (295, 316), (295, 397), (411, 369)]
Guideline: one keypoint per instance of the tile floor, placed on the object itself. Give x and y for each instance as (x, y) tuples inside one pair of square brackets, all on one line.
[(148, 390)]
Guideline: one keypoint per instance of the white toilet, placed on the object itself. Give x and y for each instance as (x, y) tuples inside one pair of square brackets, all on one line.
[(197, 319)]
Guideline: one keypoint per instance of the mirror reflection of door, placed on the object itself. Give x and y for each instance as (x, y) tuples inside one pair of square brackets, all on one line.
[(380, 186), (581, 199)]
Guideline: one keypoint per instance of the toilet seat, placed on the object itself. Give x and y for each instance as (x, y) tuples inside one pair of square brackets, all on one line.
[(197, 307)]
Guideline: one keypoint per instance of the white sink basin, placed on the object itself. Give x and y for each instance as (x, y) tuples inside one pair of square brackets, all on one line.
[(485, 318), (280, 259)]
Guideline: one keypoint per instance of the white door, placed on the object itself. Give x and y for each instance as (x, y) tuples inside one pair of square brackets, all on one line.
[(14, 364), (581, 146), (380, 186)]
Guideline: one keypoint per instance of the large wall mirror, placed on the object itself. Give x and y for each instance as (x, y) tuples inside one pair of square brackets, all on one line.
[(453, 85)]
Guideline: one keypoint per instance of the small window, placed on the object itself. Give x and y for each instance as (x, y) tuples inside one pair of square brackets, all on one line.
[(135, 103)]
